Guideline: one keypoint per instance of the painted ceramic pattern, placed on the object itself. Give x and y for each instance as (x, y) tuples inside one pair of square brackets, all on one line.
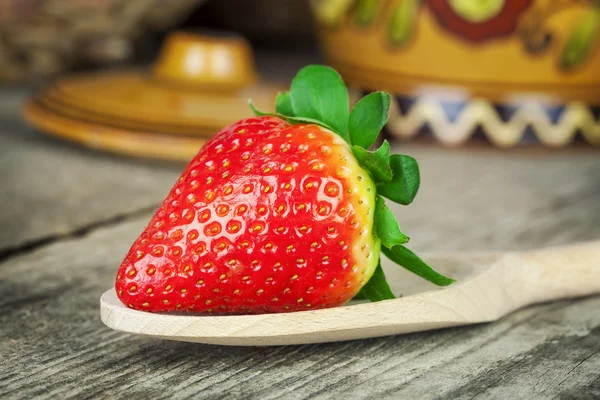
[(528, 55)]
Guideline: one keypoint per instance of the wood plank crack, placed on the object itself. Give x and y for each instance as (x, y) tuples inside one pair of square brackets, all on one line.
[(7, 253)]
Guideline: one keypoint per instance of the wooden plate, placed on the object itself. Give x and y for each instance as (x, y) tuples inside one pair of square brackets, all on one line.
[(198, 85), (113, 139)]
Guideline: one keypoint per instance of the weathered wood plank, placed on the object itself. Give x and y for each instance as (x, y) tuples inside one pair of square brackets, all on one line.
[(484, 199), (52, 344), (51, 188)]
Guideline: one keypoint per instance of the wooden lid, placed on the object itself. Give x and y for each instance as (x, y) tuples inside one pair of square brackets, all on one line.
[(198, 85)]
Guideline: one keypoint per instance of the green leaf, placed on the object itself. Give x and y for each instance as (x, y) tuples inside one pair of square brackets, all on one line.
[(405, 180), (366, 10), (376, 288), (409, 260), (386, 226), (367, 119), (331, 14), (319, 93), (283, 104), (477, 12), (360, 296), (302, 120), (377, 163), (401, 25), (259, 113), (291, 120), (581, 40)]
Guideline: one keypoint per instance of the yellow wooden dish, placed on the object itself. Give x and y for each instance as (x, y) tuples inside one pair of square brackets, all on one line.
[(198, 85)]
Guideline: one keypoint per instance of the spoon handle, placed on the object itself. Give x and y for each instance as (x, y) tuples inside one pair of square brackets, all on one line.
[(561, 272)]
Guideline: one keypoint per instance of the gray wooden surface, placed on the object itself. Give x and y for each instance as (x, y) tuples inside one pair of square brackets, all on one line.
[(50, 189), (68, 216)]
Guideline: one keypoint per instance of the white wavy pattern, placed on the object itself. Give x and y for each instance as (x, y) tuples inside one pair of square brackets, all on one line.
[(480, 112)]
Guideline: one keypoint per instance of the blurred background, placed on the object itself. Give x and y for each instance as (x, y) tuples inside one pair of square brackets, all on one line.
[(504, 73)]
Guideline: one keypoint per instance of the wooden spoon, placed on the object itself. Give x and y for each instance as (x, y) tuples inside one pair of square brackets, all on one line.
[(489, 286)]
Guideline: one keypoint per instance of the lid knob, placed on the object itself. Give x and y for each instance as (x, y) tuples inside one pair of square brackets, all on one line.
[(206, 61)]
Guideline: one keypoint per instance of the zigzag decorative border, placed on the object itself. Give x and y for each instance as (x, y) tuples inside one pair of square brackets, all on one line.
[(478, 112)]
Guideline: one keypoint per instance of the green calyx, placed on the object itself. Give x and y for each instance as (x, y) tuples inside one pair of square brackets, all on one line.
[(319, 96)]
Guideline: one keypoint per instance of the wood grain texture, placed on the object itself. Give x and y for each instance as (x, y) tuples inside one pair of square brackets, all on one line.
[(52, 189), (53, 344)]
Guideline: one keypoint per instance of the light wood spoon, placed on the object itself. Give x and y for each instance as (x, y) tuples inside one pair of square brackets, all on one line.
[(489, 287)]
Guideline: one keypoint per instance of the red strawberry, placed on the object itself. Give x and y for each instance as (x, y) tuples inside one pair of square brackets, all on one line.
[(271, 215)]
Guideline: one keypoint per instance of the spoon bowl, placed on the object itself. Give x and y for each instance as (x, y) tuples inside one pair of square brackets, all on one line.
[(489, 286)]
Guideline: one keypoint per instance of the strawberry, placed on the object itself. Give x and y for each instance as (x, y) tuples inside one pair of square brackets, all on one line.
[(280, 212)]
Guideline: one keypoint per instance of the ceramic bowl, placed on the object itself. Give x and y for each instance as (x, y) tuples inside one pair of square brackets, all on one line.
[(512, 70)]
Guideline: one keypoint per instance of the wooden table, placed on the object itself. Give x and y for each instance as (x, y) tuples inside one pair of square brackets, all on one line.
[(68, 216)]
